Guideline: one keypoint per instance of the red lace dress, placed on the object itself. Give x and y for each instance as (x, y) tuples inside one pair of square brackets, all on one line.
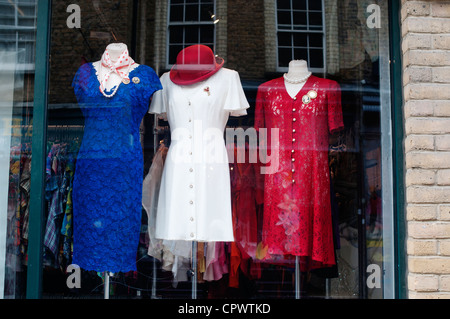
[(297, 210)]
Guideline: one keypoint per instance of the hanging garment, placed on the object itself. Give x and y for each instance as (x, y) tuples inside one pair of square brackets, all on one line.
[(297, 211), (194, 200), (107, 186), (56, 162), (150, 193), (67, 224), (246, 195), (216, 261), (174, 255)]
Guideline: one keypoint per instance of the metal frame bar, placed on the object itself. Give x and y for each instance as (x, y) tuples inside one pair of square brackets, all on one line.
[(398, 153), (39, 139)]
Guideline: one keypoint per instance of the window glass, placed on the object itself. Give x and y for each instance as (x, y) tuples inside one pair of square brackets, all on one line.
[(256, 175), (17, 52), (300, 20)]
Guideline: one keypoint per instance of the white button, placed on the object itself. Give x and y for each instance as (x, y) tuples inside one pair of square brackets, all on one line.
[(293, 151), (294, 119), (189, 102), (191, 170), (190, 120), (191, 186), (293, 170), (293, 110), (293, 131), (295, 98), (192, 234), (293, 140), (191, 202), (190, 136), (191, 219), (293, 181), (190, 153), (293, 159)]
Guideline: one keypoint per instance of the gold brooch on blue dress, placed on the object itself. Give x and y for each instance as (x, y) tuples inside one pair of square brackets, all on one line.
[(126, 81), (136, 80)]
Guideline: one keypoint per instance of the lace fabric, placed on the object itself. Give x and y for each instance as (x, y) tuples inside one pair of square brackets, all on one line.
[(297, 211), (107, 186)]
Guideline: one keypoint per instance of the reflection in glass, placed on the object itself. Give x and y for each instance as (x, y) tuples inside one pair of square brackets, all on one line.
[(17, 52)]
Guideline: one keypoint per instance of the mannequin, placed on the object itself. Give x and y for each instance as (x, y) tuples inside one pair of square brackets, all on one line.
[(114, 50), (109, 213), (296, 77)]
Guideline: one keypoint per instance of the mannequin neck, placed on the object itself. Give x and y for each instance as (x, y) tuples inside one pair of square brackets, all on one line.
[(298, 71), (115, 50)]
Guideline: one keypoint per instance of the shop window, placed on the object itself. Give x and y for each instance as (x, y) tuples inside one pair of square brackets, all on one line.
[(17, 30), (107, 133), (300, 33), (17, 65), (190, 22)]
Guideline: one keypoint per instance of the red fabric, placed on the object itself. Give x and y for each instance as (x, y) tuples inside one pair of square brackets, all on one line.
[(245, 224), (194, 64), (297, 209)]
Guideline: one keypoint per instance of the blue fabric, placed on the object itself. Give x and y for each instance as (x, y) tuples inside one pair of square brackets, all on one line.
[(107, 186)]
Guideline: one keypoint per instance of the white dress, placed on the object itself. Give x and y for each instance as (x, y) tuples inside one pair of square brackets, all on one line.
[(195, 198)]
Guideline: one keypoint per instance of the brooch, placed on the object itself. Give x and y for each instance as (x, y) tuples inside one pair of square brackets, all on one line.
[(309, 96), (306, 99), (136, 80), (312, 94), (206, 89), (126, 81)]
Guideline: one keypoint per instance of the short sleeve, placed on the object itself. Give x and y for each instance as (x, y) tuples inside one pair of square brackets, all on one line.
[(158, 104), (335, 118), (236, 101), (80, 81), (259, 109), (151, 83)]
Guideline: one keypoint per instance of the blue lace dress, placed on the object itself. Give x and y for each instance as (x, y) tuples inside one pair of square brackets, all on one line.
[(107, 186)]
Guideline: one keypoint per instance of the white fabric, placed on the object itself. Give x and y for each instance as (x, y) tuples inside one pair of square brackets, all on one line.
[(195, 198), (121, 67)]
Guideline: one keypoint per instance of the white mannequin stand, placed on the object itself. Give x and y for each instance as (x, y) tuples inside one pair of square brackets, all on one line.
[(115, 50), (296, 77)]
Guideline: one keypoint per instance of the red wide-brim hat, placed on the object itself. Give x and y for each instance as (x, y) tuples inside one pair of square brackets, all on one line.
[(195, 64)]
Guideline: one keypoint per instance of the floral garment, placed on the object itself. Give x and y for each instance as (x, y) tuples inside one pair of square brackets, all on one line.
[(297, 211)]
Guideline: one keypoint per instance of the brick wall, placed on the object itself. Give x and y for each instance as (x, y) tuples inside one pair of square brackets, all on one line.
[(426, 81), (245, 42), (70, 47)]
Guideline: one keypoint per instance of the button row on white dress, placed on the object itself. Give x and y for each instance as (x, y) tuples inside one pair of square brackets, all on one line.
[(191, 185)]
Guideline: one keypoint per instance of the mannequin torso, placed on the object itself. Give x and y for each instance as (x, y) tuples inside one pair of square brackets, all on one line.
[(114, 50), (296, 77)]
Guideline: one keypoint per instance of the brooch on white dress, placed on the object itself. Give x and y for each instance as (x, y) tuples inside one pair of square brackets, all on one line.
[(206, 89)]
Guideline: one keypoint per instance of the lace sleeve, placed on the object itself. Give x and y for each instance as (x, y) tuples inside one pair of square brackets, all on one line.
[(158, 104), (151, 84), (335, 121), (259, 109), (80, 81)]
